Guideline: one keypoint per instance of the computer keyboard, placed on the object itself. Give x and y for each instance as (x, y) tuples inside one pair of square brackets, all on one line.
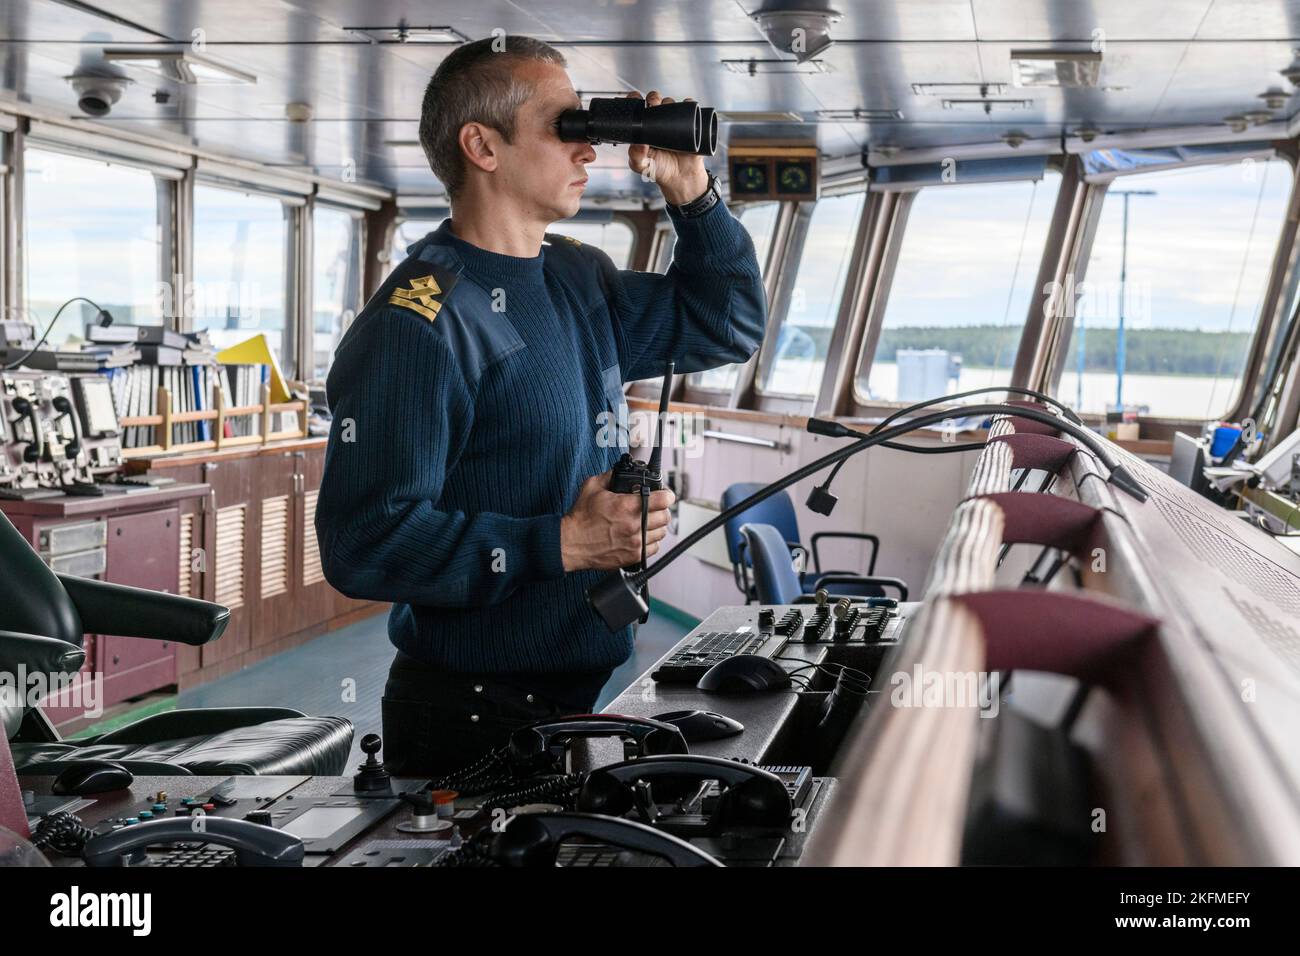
[(690, 662)]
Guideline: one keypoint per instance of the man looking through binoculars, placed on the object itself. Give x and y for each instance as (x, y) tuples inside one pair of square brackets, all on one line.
[(465, 480)]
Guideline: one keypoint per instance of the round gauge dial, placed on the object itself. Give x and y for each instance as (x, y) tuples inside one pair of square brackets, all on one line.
[(794, 179), (752, 178)]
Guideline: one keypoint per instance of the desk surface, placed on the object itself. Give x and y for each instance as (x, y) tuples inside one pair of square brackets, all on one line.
[(110, 502), (765, 715)]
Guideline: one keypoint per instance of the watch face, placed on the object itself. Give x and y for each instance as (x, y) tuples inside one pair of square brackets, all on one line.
[(749, 179), (795, 177)]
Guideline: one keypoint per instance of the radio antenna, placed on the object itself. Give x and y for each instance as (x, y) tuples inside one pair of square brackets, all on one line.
[(657, 453)]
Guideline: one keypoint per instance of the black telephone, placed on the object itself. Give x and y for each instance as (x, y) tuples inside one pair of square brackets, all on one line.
[(534, 765), (534, 840), (749, 796), (546, 744), (180, 843)]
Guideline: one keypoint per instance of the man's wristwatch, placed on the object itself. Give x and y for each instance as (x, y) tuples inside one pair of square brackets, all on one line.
[(698, 207)]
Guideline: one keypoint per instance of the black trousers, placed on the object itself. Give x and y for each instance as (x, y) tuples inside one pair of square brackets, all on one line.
[(438, 721)]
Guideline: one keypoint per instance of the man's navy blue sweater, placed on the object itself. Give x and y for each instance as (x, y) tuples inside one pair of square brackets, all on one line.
[(466, 418)]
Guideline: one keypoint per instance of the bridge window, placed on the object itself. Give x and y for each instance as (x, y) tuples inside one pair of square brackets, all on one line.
[(1200, 241), (961, 290), (614, 238), (798, 355), (241, 252), (336, 280), (760, 220), (407, 234), (90, 228)]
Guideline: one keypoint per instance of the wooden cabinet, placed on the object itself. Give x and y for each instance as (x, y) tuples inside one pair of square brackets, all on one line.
[(253, 549), (130, 539), (143, 552), (237, 528)]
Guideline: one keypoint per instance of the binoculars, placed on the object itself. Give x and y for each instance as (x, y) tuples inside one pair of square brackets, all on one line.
[(681, 127)]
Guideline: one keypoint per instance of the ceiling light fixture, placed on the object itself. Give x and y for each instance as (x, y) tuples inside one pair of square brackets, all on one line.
[(1014, 138), (987, 105), (179, 66), (752, 66), (860, 114), (959, 89), (1257, 117), (1237, 123), (405, 33), (759, 116), (1064, 68)]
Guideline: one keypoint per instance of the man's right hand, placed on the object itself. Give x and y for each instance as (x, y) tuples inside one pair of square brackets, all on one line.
[(603, 529)]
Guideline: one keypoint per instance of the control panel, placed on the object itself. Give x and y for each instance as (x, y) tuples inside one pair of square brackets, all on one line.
[(57, 432)]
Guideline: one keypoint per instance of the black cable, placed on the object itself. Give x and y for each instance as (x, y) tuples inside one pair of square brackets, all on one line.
[(49, 328), (1046, 399), (1119, 474), (62, 832)]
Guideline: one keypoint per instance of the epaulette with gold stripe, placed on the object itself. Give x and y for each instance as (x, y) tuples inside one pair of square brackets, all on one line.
[(424, 294)]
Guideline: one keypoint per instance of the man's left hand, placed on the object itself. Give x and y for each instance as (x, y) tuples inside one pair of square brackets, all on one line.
[(681, 177)]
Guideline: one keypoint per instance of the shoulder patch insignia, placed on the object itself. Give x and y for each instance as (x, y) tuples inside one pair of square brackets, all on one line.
[(569, 239), (419, 297)]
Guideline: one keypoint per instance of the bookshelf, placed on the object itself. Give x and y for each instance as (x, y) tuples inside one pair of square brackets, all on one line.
[(265, 412)]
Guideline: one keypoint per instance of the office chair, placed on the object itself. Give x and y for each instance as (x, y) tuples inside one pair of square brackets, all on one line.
[(777, 582), (44, 617), (778, 511)]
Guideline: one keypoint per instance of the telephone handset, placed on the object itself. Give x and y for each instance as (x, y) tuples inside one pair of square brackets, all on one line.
[(543, 745), (253, 843), (750, 796), (532, 765), (534, 839)]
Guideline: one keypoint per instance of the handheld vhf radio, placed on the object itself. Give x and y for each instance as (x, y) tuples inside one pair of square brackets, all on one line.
[(631, 476)]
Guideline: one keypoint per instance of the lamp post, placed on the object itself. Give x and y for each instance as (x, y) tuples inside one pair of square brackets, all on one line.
[(1123, 282)]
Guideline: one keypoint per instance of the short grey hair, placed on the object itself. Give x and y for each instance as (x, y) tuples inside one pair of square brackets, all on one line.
[(476, 84)]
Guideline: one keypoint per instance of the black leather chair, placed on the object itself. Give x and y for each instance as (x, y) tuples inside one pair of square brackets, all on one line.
[(43, 619)]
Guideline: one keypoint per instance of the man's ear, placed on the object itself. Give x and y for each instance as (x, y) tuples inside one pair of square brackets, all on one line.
[(478, 144)]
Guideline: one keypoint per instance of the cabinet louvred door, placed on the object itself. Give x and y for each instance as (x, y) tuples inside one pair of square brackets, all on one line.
[(311, 569), (229, 559), (275, 545), (186, 534)]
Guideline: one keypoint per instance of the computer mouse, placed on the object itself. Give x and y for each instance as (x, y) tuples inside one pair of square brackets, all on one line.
[(698, 726), (744, 674), (92, 776)]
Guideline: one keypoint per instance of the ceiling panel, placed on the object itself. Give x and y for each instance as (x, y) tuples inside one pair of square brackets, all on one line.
[(1173, 62)]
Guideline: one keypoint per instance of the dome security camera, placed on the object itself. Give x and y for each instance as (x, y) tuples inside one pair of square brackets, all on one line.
[(96, 95)]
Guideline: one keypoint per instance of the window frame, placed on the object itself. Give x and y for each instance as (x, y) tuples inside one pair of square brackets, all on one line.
[(166, 179), (879, 294), (297, 251), (1283, 271), (775, 249), (850, 296), (358, 217)]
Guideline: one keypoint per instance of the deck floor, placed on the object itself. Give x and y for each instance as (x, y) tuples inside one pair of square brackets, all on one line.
[(310, 677)]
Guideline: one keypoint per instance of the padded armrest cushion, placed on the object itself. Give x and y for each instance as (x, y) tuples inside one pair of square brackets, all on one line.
[(135, 612), (175, 724), (44, 655)]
